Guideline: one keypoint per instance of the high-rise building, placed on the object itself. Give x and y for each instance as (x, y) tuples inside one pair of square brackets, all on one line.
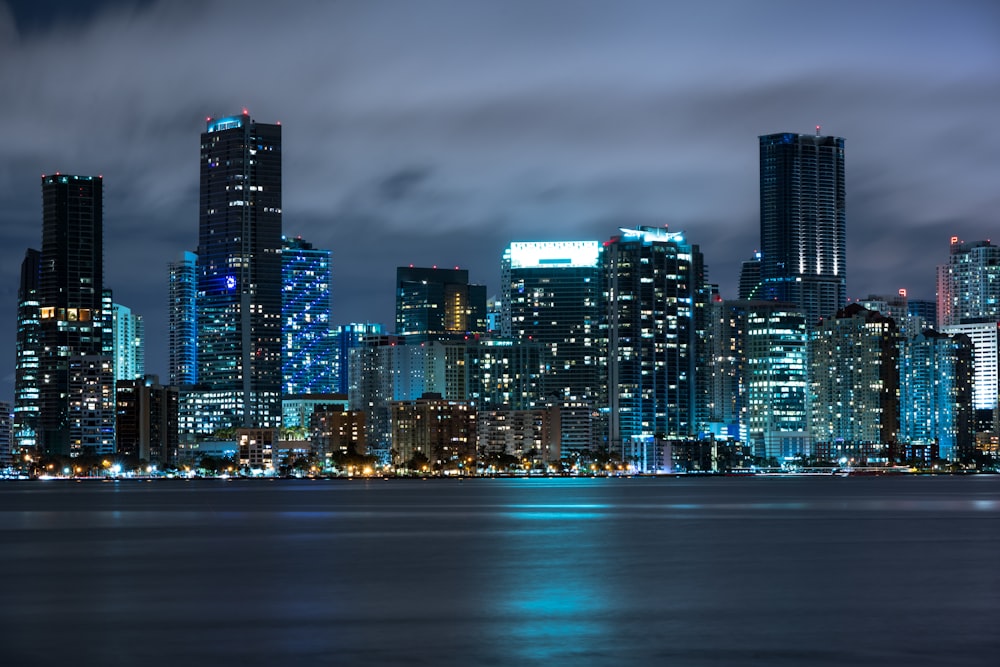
[(657, 296), (239, 272), (129, 338), (854, 393), (306, 339), (438, 304), (345, 338), (553, 295), (28, 354), (147, 426), (935, 396), (6, 435), (803, 223), (183, 313), (968, 286), (985, 338), (71, 316), (372, 371), (775, 380)]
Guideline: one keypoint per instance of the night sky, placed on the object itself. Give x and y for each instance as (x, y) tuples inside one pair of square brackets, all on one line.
[(435, 133)]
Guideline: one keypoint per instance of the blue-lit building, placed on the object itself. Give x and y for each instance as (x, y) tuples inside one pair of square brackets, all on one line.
[(306, 340), (658, 297), (129, 343), (936, 416), (775, 382), (803, 223), (28, 353), (239, 301), (345, 338), (183, 315)]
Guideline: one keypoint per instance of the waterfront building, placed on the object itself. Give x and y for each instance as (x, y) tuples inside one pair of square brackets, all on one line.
[(438, 304), (533, 436), (854, 393), (657, 296), (337, 432), (803, 222), (936, 418), (257, 450), (91, 404), (346, 337), (775, 381), (986, 370), (372, 373), (128, 343), (306, 347), (968, 286), (182, 306), (72, 320), (239, 272), (725, 408), (147, 420), (28, 353), (553, 295), (437, 431)]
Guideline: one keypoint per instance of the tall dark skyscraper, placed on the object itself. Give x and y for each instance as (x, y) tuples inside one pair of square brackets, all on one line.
[(71, 317), (658, 296), (803, 223), (239, 272)]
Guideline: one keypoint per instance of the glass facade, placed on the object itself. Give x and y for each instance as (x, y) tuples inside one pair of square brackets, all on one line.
[(239, 272), (803, 223), (306, 340), (183, 313)]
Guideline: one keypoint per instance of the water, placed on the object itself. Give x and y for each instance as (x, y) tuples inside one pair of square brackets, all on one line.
[(702, 571)]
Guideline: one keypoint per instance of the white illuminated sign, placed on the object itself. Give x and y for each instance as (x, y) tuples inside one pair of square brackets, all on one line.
[(554, 254)]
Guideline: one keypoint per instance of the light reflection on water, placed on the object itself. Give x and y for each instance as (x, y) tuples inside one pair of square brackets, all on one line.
[(497, 572)]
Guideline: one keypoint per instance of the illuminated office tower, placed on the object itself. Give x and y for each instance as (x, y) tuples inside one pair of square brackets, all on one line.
[(345, 338), (968, 286), (6, 435), (854, 378), (657, 297), (239, 273), (986, 370), (372, 370), (803, 223), (306, 340), (553, 295), (775, 381), (183, 315), (28, 352), (129, 343), (438, 304), (73, 369), (936, 418), (749, 287)]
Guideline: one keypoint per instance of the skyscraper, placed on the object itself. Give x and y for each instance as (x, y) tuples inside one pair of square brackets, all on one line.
[(968, 286), (438, 304), (553, 295), (71, 293), (239, 272), (657, 296), (306, 345), (28, 354), (346, 338), (129, 343), (183, 312), (803, 223)]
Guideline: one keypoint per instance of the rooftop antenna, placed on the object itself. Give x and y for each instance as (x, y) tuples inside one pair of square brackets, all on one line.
[(817, 130)]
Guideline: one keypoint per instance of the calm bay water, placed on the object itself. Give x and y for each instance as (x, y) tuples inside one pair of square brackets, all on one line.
[(691, 571)]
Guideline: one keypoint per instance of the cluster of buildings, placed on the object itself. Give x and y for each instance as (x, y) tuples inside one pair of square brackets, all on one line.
[(591, 351)]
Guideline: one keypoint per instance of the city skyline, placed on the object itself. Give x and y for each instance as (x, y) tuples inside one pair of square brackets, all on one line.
[(407, 145)]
